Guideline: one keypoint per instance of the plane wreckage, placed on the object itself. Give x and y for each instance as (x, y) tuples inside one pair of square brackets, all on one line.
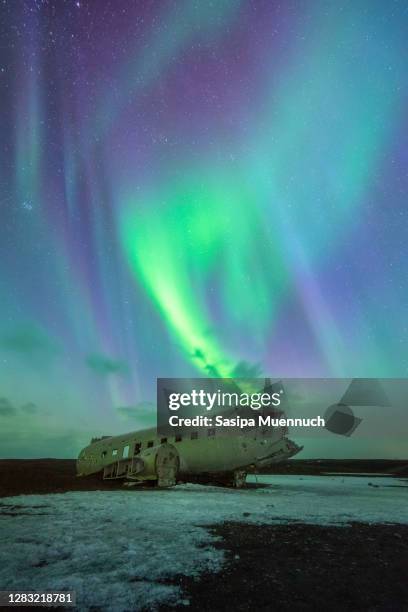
[(204, 455), (209, 454)]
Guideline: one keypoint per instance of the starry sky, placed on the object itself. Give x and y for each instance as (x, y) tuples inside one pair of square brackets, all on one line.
[(196, 188)]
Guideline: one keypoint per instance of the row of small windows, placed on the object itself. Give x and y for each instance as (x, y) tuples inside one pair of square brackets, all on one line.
[(150, 444)]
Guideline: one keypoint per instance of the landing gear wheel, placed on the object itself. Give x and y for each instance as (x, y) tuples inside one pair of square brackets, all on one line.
[(239, 479), (167, 466)]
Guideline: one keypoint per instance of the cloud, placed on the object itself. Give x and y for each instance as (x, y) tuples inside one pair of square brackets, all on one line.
[(143, 412), (30, 342), (6, 408), (243, 369), (25, 339), (105, 365), (29, 408)]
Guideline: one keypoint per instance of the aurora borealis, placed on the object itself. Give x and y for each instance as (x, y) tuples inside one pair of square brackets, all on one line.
[(194, 188)]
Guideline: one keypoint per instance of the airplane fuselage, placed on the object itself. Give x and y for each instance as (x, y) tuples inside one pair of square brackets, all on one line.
[(205, 451)]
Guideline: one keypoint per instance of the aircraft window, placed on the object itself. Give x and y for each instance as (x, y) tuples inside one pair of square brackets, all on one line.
[(114, 452), (103, 454), (178, 438), (138, 446), (194, 435), (163, 441), (150, 444), (211, 433), (125, 452)]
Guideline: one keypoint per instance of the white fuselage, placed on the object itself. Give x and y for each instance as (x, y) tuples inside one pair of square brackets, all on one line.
[(204, 451)]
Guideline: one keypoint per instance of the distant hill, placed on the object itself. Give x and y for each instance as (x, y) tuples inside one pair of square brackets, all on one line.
[(392, 467)]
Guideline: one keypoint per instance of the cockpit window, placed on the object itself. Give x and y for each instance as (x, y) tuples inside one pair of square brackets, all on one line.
[(114, 452)]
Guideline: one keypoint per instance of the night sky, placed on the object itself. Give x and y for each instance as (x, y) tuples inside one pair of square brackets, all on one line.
[(194, 188)]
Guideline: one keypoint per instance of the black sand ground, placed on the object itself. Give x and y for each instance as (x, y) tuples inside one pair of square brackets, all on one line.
[(306, 567), (22, 476), (285, 567), (25, 476)]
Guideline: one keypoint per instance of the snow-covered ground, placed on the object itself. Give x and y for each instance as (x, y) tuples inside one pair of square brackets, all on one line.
[(120, 549)]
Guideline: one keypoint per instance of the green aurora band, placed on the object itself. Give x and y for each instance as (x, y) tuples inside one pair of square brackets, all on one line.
[(235, 238)]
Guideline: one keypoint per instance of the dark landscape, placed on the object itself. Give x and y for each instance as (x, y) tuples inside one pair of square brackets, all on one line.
[(293, 566), (29, 476)]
